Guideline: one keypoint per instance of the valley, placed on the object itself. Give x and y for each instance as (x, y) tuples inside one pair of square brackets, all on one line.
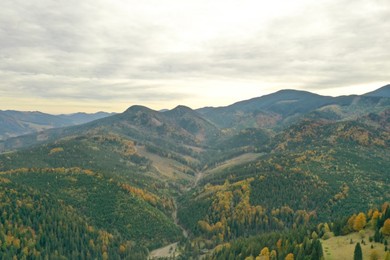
[(276, 176)]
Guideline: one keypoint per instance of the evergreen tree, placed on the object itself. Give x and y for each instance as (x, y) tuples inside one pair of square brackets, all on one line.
[(357, 254), (377, 235), (319, 250)]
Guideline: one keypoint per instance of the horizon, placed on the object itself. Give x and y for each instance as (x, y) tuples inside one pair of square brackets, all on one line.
[(71, 56), (207, 105)]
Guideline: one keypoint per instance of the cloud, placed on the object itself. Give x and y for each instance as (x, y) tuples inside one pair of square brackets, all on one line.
[(163, 54)]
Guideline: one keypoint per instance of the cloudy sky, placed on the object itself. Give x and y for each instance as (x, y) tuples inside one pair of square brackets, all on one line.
[(63, 56)]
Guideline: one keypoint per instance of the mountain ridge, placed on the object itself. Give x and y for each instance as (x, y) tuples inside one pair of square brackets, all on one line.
[(277, 109), (272, 111)]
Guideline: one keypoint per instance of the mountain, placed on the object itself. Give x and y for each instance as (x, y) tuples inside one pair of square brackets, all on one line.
[(285, 107), (193, 122), (177, 136), (82, 118), (279, 174), (381, 92), (16, 123), (265, 111)]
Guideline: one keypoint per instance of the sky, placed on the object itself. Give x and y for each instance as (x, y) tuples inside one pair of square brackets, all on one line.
[(65, 56)]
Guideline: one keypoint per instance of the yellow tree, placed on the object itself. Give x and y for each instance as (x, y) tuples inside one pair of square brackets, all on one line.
[(351, 222), (16, 243), (359, 222), (122, 249), (386, 228), (273, 255), (279, 244), (264, 254), (374, 218), (326, 228), (289, 257)]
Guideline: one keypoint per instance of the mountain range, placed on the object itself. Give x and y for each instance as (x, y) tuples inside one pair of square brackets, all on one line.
[(209, 182), (15, 123), (199, 127)]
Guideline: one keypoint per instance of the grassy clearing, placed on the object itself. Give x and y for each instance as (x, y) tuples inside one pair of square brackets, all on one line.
[(245, 158), (166, 251), (169, 168), (340, 248)]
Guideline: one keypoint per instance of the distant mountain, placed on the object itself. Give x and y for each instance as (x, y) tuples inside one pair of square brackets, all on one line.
[(285, 107), (381, 92), (16, 123), (200, 127), (82, 118)]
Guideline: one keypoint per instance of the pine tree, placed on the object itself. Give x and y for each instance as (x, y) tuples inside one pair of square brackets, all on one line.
[(320, 252), (357, 254), (377, 236)]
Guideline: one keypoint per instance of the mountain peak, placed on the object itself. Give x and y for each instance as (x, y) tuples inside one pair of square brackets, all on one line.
[(182, 108), (137, 108), (293, 93), (180, 111)]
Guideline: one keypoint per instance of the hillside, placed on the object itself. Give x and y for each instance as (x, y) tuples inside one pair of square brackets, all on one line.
[(304, 176), (257, 171), (108, 214)]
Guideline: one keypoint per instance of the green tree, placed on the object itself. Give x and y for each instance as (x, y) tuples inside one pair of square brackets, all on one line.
[(377, 236), (357, 254)]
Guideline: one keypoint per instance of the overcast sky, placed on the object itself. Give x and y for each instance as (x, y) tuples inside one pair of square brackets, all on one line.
[(63, 56)]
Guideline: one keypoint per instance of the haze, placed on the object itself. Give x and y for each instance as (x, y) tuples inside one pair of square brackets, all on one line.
[(68, 56)]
